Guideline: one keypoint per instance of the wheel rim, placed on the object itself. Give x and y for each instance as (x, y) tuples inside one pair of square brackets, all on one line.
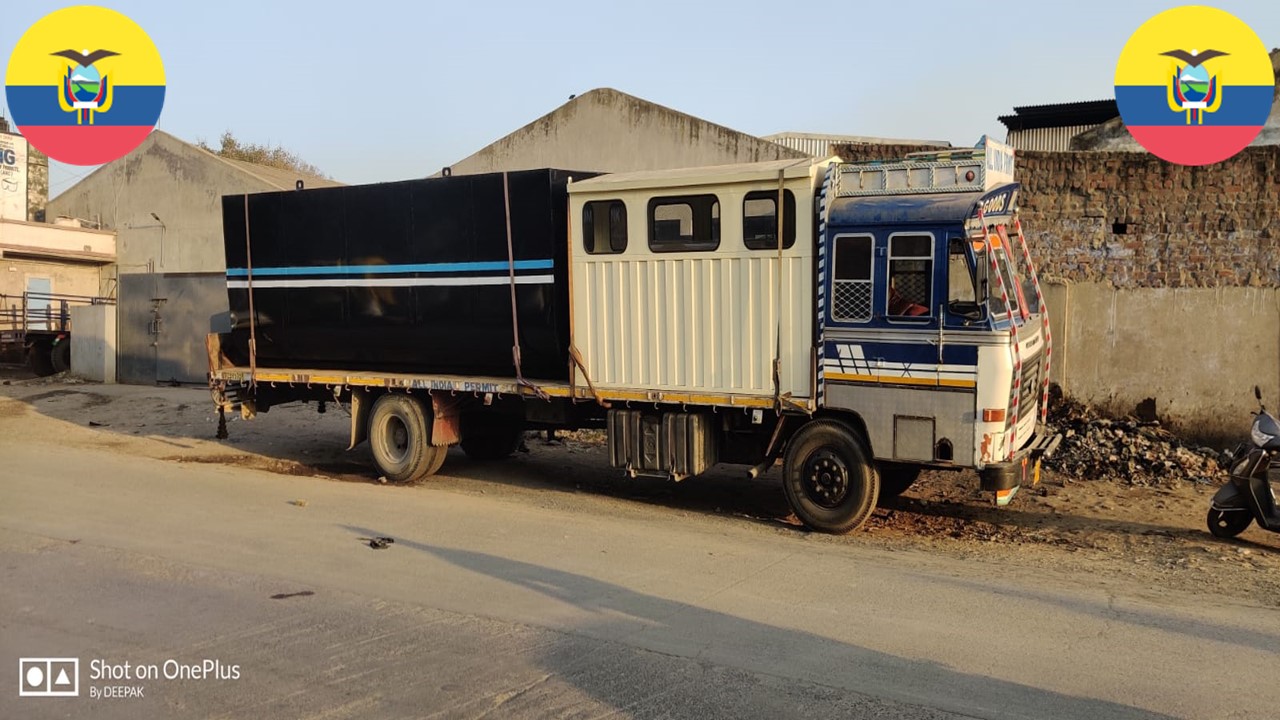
[(395, 439), (826, 479)]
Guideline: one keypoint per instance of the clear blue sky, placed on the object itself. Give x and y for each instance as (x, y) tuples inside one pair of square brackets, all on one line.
[(373, 91)]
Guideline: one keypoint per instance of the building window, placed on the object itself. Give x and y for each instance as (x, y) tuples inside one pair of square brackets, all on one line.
[(851, 278), (760, 220), (910, 276), (686, 223), (604, 227)]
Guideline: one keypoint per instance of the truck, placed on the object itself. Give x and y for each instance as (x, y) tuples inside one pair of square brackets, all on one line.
[(35, 328), (856, 322)]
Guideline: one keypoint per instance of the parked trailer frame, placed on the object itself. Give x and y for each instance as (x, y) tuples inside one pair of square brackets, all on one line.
[(42, 335)]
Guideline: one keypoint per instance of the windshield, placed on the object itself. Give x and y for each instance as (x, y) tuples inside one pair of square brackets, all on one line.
[(1007, 275)]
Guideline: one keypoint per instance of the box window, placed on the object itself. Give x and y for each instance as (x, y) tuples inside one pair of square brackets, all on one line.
[(604, 226), (760, 220), (682, 224)]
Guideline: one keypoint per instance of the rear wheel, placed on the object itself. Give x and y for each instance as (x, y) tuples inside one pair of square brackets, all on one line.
[(400, 437), (60, 356), (40, 360), (896, 479), (1228, 523), (829, 482)]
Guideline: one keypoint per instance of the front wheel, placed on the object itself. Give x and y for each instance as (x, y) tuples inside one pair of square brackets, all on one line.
[(1228, 523), (829, 481)]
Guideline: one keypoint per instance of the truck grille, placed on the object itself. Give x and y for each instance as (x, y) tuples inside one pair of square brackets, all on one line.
[(1029, 391)]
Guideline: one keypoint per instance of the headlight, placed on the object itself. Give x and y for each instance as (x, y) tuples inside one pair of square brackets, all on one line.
[(1259, 438)]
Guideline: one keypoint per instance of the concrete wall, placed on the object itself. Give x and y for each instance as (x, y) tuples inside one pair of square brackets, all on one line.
[(1197, 352), (19, 236), (611, 131), (93, 343)]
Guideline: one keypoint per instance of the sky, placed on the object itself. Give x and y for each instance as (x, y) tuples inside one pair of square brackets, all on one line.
[(380, 91)]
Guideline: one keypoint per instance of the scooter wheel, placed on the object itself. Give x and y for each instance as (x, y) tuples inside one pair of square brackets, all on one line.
[(1228, 524)]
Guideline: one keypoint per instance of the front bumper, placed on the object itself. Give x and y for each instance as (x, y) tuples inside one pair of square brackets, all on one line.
[(1005, 477)]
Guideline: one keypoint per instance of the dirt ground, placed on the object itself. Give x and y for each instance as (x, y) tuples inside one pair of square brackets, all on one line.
[(1091, 531)]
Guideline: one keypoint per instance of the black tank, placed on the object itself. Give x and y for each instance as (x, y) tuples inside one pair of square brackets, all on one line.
[(403, 277)]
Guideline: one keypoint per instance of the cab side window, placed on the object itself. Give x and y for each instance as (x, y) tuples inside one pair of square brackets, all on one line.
[(910, 292), (851, 278), (962, 293)]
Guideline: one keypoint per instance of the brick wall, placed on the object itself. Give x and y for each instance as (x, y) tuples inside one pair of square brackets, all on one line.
[(859, 152), (1133, 220)]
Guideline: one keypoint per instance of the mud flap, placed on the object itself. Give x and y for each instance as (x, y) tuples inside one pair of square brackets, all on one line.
[(360, 404)]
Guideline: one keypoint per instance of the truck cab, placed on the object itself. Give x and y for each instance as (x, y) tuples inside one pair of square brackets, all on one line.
[(932, 326)]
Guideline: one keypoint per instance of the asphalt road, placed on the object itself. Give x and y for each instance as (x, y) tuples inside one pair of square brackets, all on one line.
[(488, 606)]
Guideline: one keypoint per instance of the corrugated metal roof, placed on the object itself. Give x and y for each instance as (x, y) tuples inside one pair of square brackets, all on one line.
[(1089, 112)]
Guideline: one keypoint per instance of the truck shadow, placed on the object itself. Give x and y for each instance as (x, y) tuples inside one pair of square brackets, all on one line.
[(648, 655)]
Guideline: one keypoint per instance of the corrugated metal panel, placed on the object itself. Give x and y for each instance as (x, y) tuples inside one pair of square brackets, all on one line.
[(699, 321), (1056, 139), (817, 147)]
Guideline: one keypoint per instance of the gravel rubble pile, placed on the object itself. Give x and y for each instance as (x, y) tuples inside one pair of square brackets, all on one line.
[(1124, 450)]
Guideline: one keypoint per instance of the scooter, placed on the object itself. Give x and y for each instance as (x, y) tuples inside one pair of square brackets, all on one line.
[(1252, 467)]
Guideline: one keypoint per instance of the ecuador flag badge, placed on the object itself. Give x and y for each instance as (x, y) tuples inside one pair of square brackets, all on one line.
[(85, 85), (1194, 85)]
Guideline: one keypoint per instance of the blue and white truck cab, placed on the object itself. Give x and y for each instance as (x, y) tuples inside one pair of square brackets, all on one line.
[(931, 321)]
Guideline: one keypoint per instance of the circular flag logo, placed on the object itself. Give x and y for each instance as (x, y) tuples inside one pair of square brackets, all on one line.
[(1194, 85), (85, 85)]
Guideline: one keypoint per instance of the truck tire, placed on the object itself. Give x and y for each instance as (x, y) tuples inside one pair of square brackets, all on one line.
[(896, 479), (40, 360), (490, 437), (399, 435), (60, 356), (827, 477)]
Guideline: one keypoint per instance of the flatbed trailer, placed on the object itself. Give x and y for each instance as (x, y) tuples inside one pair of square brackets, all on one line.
[(36, 328), (856, 322)]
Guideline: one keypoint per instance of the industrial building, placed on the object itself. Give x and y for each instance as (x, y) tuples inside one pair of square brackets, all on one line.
[(164, 203), (605, 130)]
